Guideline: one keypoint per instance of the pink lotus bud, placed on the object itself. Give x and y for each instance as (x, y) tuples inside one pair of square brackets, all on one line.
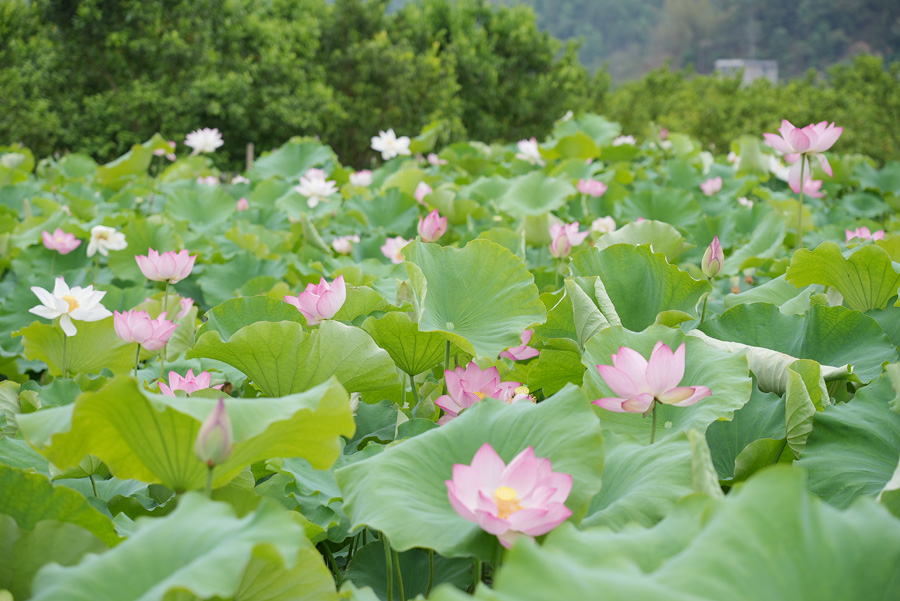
[(664, 134), (711, 186), (209, 180), (215, 440), (168, 266), (422, 190), (60, 241), (242, 205), (713, 259), (591, 187), (320, 301), (432, 227), (136, 326), (189, 383), (564, 237)]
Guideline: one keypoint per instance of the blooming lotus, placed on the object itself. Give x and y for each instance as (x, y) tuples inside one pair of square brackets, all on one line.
[(469, 385), (203, 140), (432, 227), (529, 151), (564, 237), (186, 304), (525, 498), (189, 383), (434, 160), (60, 241), (137, 326), (67, 303), (745, 202), (362, 178), (603, 225), (209, 180), (315, 190), (711, 186), (812, 188), (320, 301), (242, 205), (389, 145), (393, 249), (639, 382), (812, 140), (624, 141), (169, 266), (316, 173), (104, 239), (863, 233), (422, 190), (215, 440), (523, 351), (239, 179), (713, 259), (344, 244), (591, 187)]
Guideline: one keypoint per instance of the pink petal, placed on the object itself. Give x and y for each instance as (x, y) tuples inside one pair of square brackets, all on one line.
[(665, 368), (489, 465), (778, 143), (521, 474), (826, 166), (611, 403), (632, 363), (698, 393), (827, 138), (618, 381), (536, 521), (639, 403), (491, 523)]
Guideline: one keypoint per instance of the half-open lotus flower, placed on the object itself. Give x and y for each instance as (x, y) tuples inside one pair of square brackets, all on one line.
[(591, 187), (393, 249), (320, 301), (432, 226), (812, 140), (524, 498), (711, 186), (469, 385), (316, 189), (168, 266), (564, 237), (639, 382), (104, 239), (863, 233), (60, 241), (523, 351), (82, 304), (189, 383), (136, 326)]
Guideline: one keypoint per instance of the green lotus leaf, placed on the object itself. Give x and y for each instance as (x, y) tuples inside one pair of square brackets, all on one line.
[(367, 569), (227, 558), (662, 238), (668, 205), (116, 174), (725, 374), (832, 336), (481, 297), (785, 296), (94, 347), (535, 194), (558, 364), (401, 491), (281, 358), (764, 243), (640, 283), (413, 351), (292, 160), (866, 279), (592, 309), (854, 447), (222, 281), (233, 314), (149, 437)]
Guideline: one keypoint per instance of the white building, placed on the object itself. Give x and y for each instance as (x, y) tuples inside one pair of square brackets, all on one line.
[(753, 69)]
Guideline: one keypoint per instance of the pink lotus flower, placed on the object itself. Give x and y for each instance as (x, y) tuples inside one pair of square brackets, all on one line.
[(863, 233), (711, 186), (523, 351), (136, 326), (169, 266), (432, 227), (591, 187), (469, 385), (320, 301), (639, 383), (362, 178), (215, 440), (189, 383), (186, 304), (434, 160), (393, 249), (812, 187), (315, 174), (242, 205), (524, 498), (603, 225), (745, 202), (209, 180), (344, 244), (422, 190), (713, 259), (239, 179), (60, 241), (812, 140), (564, 237)]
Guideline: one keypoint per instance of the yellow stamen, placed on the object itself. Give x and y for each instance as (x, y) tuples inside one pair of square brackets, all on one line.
[(522, 390), (507, 500), (73, 304), (480, 395)]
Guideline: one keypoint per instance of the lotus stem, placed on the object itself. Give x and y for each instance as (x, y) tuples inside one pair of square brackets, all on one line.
[(137, 359), (166, 298), (209, 482), (329, 556), (703, 311), (498, 559), (430, 572), (446, 364), (653, 422), (399, 575), (93, 484), (53, 265), (65, 362), (412, 386), (476, 574), (800, 206), (96, 267), (388, 569)]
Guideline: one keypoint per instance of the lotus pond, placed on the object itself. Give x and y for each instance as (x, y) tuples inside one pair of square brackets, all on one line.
[(580, 368)]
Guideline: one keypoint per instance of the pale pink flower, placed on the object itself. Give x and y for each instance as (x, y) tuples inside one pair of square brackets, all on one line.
[(664, 134), (389, 145), (603, 225), (67, 303), (469, 385), (711, 186), (215, 440), (435, 161), (564, 237), (136, 326), (525, 498), (591, 187), (713, 259), (239, 179), (60, 241), (529, 151), (863, 233), (344, 244), (393, 247), (432, 227), (320, 301), (812, 188), (422, 190), (315, 189), (746, 202), (203, 140), (639, 382), (209, 180), (186, 304), (624, 140), (169, 266), (362, 178), (523, 351), (316, 173), (242, 205), (104, 239), (189, 383), (809, 141)]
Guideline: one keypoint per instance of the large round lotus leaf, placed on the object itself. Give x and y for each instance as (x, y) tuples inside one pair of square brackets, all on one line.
[(535, 194), (232, 315), (413, 351), (854, 447), (662, 238), (725, 374), (640, 283), (150, 437), (402, 492), (219, 556), (866, 279), (770, 539), (480, 297), (829, 335), (94, 347), (292, 160)]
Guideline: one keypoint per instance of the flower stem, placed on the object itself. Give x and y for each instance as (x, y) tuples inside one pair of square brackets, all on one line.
[(53, 265), (96, 267), (558, 265), (412, 386), (703, 311), (388, 569), (329, 556), (800, 206), (166, 298), (476, 575), (209, 481), (65, 362), (653, 423), (399, 575), (446, 364), (93, 485), (137, 359), (430, 572), (162, 353)]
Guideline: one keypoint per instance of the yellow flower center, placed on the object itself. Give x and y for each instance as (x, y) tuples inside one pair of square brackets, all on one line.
[(73, 304), (507, 500), (480, 395), (522, 390)]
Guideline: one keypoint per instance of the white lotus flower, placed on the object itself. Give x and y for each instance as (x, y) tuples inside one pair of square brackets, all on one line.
[(389, 145), (203, 140), (67, 303), (623, 140), (104, 239), (315, 190), (529, 151)]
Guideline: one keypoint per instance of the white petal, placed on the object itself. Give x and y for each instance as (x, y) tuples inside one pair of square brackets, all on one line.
[(67, 326)]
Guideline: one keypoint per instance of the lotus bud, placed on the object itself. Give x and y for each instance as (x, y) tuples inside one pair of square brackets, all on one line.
[(215, 440), (713, 259)]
